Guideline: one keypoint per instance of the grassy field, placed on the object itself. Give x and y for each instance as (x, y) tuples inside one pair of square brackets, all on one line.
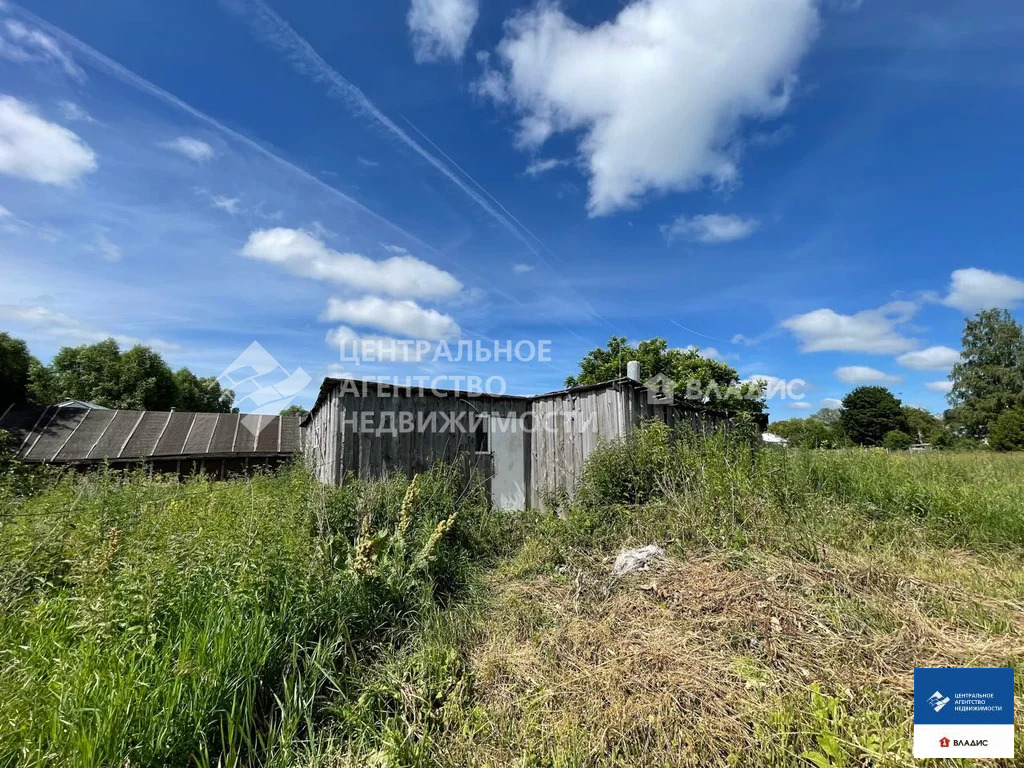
[(275, 622)]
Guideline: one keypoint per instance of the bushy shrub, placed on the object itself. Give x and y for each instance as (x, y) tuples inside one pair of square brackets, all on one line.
[(897, 440), (629, 471)]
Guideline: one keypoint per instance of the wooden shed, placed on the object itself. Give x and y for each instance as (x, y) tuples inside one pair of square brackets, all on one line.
[(220, 444), (529, 448)]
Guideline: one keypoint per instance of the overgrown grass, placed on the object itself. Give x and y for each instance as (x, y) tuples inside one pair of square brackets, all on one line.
[(277, 622), (799, 593), (152, 622)]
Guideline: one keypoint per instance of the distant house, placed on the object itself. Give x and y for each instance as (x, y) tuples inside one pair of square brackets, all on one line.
[(529, 448), (773, 439)]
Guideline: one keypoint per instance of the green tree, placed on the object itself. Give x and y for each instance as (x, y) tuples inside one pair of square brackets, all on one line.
[(820, 430), (146, 381), (830, 416), (1006, 433), (989, 379), (897, 440), (205, 395), (923, 426), (791, 429), (15, 364), (295, 410), (870, 412), (42, 384), (101, 373), (695, 376)]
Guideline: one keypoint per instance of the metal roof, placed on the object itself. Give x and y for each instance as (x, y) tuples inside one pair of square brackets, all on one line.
[(70, 435), (81, 404)]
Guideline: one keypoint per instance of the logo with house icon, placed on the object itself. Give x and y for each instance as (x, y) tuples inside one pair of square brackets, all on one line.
[(660, 389)]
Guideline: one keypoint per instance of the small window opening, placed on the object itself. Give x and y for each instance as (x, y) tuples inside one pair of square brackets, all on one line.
[(480, 441)]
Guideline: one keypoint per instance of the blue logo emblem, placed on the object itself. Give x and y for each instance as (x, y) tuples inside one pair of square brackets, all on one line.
[(963, 712)]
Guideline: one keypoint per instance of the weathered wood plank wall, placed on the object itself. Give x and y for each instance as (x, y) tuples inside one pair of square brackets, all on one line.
[(360, 431), (372, 431)]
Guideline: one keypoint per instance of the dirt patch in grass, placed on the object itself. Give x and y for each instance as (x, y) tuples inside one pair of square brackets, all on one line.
[(716, 660)]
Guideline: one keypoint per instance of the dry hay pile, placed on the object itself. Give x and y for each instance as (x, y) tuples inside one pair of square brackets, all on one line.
[(682, 665)]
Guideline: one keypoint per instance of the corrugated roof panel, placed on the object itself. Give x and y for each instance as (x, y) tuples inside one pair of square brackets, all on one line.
[(80, 444), (53, 433), (76, 434), (117, 433), (289, 434), (18, 421), (224, 433), (143, 439), (202, 432), (248, 429), (268, 439), (172, 441)]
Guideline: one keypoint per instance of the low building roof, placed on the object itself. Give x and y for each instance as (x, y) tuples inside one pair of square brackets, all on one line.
[(330, 382), (73, 435)]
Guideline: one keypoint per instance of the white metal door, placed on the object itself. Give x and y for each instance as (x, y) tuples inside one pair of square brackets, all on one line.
[(508, 483)]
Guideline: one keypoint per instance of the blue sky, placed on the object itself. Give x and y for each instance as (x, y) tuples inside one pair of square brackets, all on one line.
[(812, 190)]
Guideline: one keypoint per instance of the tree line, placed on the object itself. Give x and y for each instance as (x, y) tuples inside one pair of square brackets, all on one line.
[(986, 401), (718, 383), (137, 379)]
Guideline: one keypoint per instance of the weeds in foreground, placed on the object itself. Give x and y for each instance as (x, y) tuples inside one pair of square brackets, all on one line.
[(279, 623), (782, 631), (152, 622)]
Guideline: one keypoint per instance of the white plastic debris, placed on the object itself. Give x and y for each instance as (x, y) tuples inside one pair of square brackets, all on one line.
[(632, 560)]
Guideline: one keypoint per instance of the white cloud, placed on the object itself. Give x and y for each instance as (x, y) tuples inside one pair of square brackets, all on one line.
[(405, 318), (872, 331), (384, 349), (337, 371), (105, 248), (710, 228), (939, 386), (746, 341), (193, 149), (659, 94), (800, 405), (74, 113), (521, 269), (537, 167), (69, 330), (973, 289), (440, 29), (831, 402), (862, 374), (35, 149), (20, 43), (303, 254), (931, 359), (227, 204), (711, 353)]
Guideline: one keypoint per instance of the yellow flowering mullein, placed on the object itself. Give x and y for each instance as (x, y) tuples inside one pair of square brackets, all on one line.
[(442, 528), (412, 495)]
